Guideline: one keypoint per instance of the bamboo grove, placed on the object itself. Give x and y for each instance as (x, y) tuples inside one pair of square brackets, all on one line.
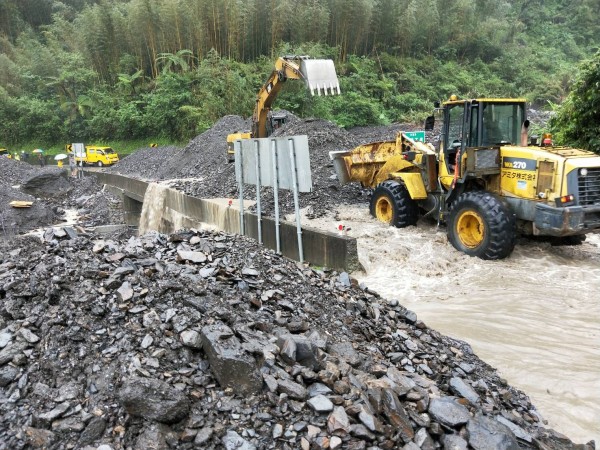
[(68, 61)]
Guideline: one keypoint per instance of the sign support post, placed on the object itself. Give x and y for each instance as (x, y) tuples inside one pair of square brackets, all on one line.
[(240, 171), (276, 193), (296, 200), (258, 209)]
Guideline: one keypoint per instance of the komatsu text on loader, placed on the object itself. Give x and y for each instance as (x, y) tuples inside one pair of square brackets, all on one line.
[(485, 181), (319, 76)]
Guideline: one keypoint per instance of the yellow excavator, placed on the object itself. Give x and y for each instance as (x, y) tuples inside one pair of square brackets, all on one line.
[(485, 181), (319, 76)]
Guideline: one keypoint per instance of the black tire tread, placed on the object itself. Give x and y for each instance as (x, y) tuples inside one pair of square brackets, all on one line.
[(406, 211), (499, 219)]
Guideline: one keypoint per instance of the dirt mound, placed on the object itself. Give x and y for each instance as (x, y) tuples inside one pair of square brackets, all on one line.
[(93, 204), (146, 163), (365, 135), (54, 194), (210, 341), (13, 172), (200, 169), (19, 220)]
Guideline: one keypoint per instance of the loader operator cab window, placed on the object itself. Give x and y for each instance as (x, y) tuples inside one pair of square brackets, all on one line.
[(454, 133), (501, 123), (474, 127)]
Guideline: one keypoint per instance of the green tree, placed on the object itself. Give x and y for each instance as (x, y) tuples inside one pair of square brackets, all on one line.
[(170, 62), (576, 121), (129, 81)]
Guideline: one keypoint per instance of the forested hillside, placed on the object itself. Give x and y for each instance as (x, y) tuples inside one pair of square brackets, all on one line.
[(124, 69)]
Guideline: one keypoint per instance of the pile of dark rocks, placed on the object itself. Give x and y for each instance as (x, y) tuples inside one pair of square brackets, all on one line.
[(201, 170), (206, 340), (51, 192), (14, 186)]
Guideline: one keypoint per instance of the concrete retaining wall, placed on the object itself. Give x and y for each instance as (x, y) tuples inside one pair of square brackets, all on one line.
[(183, 211)]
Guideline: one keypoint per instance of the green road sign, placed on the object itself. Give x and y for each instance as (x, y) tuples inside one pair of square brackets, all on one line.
[(415, 135)]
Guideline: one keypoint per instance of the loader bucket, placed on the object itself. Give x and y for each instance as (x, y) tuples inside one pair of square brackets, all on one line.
[(363, 163), (340, 166), (320, 76)]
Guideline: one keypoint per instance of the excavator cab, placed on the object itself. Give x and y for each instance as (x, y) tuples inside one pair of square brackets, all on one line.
[(277, 120)]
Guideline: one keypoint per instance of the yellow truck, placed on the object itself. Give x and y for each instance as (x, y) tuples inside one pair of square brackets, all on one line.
[(95, 155), (487, 181)]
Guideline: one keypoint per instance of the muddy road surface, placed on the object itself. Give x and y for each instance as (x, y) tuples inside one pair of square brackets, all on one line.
[(534, 316)]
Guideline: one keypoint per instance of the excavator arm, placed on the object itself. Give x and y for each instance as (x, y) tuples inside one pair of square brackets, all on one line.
[(318, 74)]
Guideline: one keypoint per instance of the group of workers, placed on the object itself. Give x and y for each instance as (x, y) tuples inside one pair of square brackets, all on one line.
[(41, 160), (22, 156)]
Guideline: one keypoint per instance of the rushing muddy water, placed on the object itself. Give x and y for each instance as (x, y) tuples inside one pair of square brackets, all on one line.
[(535, 316)]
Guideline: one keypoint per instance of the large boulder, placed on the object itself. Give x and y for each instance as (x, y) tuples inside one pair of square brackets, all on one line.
[(229, 362), (154, 400)]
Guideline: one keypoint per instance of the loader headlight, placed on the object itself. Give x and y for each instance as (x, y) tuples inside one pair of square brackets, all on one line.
[(583, 172)]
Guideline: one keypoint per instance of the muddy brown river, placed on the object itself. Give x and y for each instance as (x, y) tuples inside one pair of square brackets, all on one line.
[(535, 316)]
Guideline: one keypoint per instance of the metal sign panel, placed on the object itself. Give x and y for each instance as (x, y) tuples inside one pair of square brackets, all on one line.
[(79, 150), (256, 157), (417, 136)]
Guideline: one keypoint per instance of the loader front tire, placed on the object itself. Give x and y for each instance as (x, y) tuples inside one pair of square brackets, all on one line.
[(391, 204), (481, 224)]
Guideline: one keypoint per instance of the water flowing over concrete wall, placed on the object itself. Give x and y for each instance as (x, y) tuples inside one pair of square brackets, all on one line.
[(152, 206)]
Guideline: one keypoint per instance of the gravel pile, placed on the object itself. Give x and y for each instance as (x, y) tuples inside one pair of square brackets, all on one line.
[(200, 168), (147, 163), (51, 193), (205, 340), (93, 204), (14, 172)]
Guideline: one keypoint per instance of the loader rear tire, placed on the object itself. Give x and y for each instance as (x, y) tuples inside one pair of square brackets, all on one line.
[(481, 224), (391, 204)]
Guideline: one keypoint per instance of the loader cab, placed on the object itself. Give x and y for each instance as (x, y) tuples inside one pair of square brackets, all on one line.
[(480, 123)]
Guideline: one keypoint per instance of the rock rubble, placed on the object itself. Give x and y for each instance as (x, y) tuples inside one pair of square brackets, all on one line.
[(51, 193), (123, 343), (206, 340)]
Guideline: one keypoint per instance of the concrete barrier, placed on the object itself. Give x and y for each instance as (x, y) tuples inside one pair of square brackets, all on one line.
[(178, 211)]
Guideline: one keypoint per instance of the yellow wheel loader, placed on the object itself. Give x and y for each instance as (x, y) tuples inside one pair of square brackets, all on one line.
[(485, 181), (319, 76)]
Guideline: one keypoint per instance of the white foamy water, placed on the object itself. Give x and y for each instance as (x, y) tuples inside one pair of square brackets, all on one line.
[(534, 316), (153, 208)]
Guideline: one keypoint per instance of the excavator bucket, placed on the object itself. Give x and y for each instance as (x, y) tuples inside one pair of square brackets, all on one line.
[(320, 76)]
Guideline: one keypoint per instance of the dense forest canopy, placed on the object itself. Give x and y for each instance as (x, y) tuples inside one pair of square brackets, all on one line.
[(108, 69)]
